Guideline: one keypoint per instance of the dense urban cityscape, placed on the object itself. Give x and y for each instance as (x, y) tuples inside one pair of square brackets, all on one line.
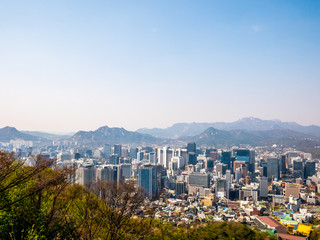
[(159, 120), (272, 188)]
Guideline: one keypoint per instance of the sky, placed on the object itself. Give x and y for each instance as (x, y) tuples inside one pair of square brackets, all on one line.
[(79, 65)]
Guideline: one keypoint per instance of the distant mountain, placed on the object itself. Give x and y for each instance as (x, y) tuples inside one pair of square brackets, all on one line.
[(250, 124), (11, 133), (45, 135), (105, 135), (215, 137)]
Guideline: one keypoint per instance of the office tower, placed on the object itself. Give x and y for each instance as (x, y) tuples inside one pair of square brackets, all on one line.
[(228, 176), (148, 180), (165, 159), (237, 174), (191, 147), (309, 168), (159, 152), (133, 152), (117, 149), (264, 166), (184, 154), (180, 188), (152, 158), (86, 175), (173, 166), (107, 150), (126, 171), (162, 177), (226, 158), (243, 155), (199, 179), (283, 168), (273, 169), (114, 159), (169, 155), (252, 161), (140, 155), (192, 158), (221, 168), (110, 173), (263, 187), (221, 188), (179, 161), (209, 164), (298, 169)]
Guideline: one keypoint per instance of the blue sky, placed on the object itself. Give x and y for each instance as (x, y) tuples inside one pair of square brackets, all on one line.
[(70, 65)]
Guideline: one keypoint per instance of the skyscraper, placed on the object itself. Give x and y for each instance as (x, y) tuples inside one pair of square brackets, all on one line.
[(191, 147), (117, 149), (226, 158), (309, 168), (283, 168), (148, 180), (273, 169), (263, 187), (107, 150), (192, 158), (298, 170)]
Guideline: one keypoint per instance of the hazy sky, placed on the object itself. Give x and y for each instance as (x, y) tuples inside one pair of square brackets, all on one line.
[(70, 65)]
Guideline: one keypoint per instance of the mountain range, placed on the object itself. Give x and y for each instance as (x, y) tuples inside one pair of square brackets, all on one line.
[(219, 138), (250, 124), (246, 131), (11, 133), (105, 135)]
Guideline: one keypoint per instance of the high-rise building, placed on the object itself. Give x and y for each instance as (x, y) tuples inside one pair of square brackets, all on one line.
[(192, 158), (209, 164), (221, 168), (191, 147), (86, 175), (126, 171), (243, 155), (221, 188), (148, 180), (199, 179), (109, 173), (226, 158), (273, 169), (117, 149), (107, 150), (165, 158), (283, 168), (114, 159), (252, 161), (133, 152), (298, 169), (180, 188), (263, 187), (309, 168)]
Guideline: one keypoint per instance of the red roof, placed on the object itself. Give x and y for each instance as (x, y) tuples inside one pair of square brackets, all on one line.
[(290, 237), (271, 222)]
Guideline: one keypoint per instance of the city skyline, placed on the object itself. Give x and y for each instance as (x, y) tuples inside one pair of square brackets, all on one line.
[(69, 66)]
